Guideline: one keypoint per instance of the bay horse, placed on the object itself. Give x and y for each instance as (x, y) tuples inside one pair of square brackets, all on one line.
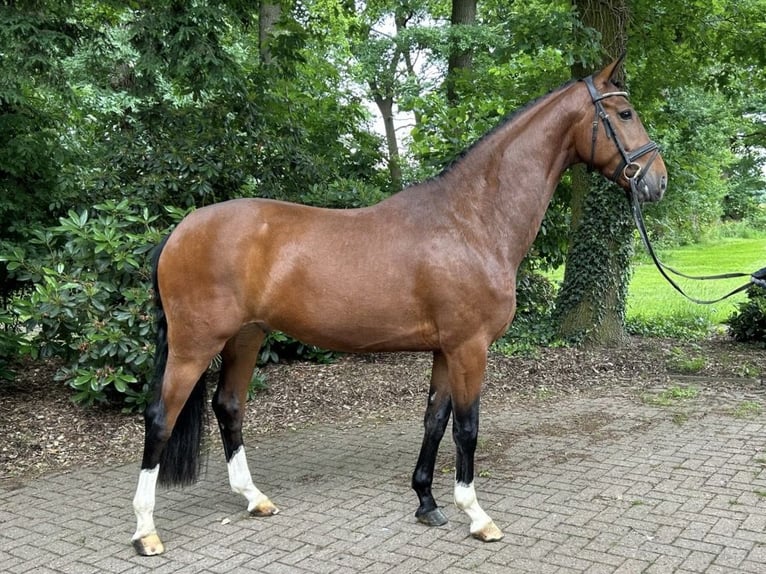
[(431, 268)]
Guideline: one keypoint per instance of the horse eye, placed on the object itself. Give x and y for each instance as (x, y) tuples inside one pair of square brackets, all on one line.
[(626, 114)]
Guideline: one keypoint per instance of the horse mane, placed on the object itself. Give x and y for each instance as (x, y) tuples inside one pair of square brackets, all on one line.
[(508, 119)]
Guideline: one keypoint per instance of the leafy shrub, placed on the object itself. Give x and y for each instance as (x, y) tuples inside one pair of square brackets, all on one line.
[(12, 342), (533, 325), (343, 193), (748, 323), (90, 304), (277, 346)]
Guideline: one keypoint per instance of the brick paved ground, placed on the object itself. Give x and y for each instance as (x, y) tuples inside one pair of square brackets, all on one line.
[(604, 483)]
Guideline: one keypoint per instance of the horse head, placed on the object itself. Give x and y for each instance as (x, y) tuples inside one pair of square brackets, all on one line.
[(612, 139)]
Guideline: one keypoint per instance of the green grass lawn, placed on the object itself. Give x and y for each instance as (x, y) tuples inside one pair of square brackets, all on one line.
[(651, 299), (650, 295)]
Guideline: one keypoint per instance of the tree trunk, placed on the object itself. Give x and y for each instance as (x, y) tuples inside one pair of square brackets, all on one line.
[(460, 60), (386, 107), (590, 307), (268, 16)]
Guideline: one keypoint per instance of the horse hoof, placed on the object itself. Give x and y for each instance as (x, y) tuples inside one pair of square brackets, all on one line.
[(150, 545), (488, 533), (265, 508), (433, 517)]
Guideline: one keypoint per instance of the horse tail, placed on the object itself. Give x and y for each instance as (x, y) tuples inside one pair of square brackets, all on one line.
[(180, 461)]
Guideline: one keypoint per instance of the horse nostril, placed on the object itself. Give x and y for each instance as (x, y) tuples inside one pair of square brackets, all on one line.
[(663, 183)]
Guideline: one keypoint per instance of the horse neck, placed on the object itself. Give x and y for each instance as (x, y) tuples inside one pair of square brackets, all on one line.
[(507, 180)]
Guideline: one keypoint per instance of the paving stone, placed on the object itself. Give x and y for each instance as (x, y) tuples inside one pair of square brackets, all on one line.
[(637, 494)]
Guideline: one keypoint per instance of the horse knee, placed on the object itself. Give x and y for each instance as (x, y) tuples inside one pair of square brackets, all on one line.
[(465, 430)]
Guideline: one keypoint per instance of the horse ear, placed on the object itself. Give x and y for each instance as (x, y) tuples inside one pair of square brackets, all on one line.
[(613, 72)]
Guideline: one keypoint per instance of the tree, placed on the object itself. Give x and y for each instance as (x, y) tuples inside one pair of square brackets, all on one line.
[(268, 16), (591, 303), (460, 59), (700, 79), (381, 58)]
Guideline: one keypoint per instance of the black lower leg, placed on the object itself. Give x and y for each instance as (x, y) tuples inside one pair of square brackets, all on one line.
[(465, 431), (436, 419), (228, 412), (155, 434)]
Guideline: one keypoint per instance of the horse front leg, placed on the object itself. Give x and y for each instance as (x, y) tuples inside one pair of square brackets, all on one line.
[(466, 372), (239, 356), (435, 422)]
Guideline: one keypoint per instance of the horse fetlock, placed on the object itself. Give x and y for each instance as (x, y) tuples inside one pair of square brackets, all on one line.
[(149, 545), (482, 526)]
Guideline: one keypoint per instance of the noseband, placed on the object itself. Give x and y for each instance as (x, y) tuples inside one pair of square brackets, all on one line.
[(628, 167)]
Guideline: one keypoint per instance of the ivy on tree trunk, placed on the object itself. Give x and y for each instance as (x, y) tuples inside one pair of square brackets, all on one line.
[(590, 307)]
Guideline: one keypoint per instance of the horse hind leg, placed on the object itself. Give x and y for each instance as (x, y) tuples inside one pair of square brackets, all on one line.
[(181, 399), (238, 360)]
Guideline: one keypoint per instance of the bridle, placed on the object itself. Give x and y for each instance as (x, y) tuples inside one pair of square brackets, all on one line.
[(633, 174), (628, 168)]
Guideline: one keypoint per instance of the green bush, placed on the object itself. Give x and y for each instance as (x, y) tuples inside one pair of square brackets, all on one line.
[(533, 324), (90, 305), (277, 346), (343, 193), (678, 324), (748, 323), (12, 342)]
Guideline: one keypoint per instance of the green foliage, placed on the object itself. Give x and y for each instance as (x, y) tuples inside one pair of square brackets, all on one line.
[(35, 38), (671, 396), (168, 104), (532, 326), (342, 194), (680, 361), (12, 342), (680, 324), (90, 305), (747, 409), (192, 118), (747, 190), (277, 347), (695, 132), (257, 385), (749, 322)]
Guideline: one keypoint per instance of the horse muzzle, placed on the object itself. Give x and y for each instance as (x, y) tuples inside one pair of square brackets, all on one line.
[(649, 186)]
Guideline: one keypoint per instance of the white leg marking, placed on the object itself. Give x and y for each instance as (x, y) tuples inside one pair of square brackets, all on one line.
[(143, 502), (241, 481), (465, 500)]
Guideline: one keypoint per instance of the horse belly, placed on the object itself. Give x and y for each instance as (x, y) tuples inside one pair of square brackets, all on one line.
[(352, 321)]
